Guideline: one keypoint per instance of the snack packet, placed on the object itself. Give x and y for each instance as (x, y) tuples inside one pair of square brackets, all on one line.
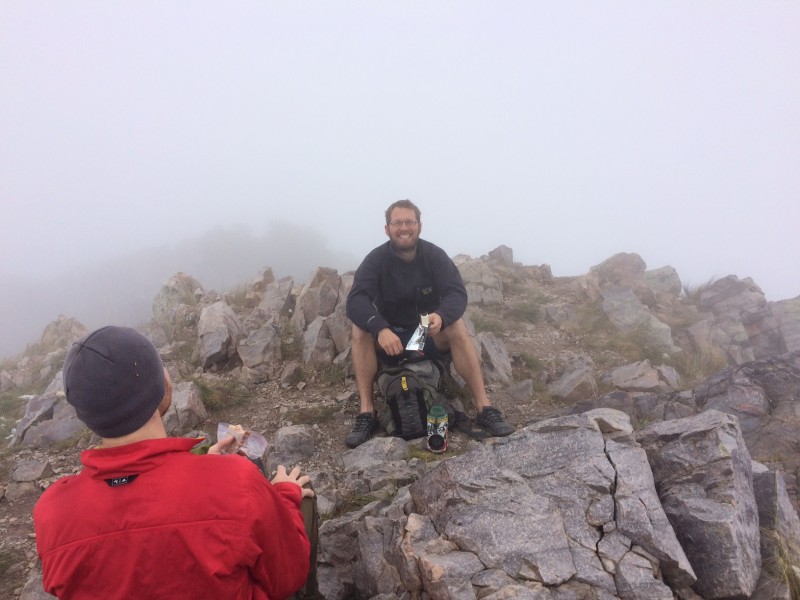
[(417, 341), (251, 444)]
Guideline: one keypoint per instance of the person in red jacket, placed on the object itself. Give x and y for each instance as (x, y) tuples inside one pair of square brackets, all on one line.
[(146, 518)]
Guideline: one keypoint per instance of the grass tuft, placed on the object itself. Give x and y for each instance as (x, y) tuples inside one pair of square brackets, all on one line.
[(485, 324), (692, 292), (218, 395), (697, 364), (785, 565), (527, 312)]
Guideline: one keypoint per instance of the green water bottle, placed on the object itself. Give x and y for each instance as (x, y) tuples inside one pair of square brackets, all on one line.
[(437, 429)]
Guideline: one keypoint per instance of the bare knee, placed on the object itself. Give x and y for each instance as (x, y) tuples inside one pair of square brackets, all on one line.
[(457, 333), (361, 336), (454, 335)]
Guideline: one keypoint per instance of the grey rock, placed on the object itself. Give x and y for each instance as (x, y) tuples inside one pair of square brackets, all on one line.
[(20, 490), (339, 327), (175, 306), (496, 362), (55, 431), (31, 470), (663, 281), (33, 588), (276, 299), (628, 314), (318, 298), (484, 286), (778, 520), (703, 471), (292, 445), (261, 347), (219, 331), (787, 316), (636, 377), (318, 347), (187, 409), (374, 452), (38, 409), (731, 294), (575, 385), (503, 255), (522, 391), (622, 268)]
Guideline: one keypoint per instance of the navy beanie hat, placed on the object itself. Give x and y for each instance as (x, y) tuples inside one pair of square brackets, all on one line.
[(114, 378)]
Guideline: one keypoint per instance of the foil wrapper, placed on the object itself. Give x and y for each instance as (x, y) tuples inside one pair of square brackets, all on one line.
[(417, 341)]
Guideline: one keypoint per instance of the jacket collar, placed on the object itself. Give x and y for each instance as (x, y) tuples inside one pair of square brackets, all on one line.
[(136, 458)]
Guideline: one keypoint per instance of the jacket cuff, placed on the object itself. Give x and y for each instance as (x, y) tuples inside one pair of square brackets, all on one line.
[(290, 491)]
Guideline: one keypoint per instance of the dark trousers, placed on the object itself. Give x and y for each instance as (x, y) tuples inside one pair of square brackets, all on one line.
[(311, 522), (308, 507)]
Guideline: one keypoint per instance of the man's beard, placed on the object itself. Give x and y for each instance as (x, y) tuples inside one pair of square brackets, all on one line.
[(398, 250)]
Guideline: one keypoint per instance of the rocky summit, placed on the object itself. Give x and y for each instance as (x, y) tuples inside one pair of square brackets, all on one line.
[(655, 455)]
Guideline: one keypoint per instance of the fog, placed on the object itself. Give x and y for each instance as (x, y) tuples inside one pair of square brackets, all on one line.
[(279, 132)]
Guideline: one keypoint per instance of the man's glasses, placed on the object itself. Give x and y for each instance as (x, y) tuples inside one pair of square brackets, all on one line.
[(406, 223)]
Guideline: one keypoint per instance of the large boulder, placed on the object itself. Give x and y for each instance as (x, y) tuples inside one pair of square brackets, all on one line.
[(484, 286), (276, 299), (565, 508), (219, 331), (494, 355), (175, 307), (318, 347), (187, 410), (261, 347), (624, 268), (628, 314), (763, 395), (703, 472), (318, 298)]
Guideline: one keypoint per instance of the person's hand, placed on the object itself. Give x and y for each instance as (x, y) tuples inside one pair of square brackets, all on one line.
[(389, 342), (220, 446), (281, 476), (434, 323)]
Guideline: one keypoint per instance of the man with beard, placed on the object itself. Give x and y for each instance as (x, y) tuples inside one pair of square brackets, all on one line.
[(396, 283)]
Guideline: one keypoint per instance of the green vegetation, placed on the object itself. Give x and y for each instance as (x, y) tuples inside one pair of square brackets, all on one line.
[(631, 345), (599, 334), (12, 408), (218, 395), (351, 504), (237, 297), (486, 324), (309, 415), (425, 455), (527, 312), (333, 375), (529, 367), (697, 364), (692, 292), (531, 362), (291, 345)]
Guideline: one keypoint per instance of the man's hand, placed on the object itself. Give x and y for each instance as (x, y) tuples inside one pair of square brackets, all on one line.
[(220, 446), (281, 476), (389, 342), (434, 323)]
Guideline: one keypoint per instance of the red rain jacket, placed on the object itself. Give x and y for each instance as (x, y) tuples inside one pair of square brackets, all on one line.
[(152, 520)]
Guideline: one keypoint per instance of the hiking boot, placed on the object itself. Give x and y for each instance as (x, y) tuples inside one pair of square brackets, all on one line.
[(366, 424), (493, 421)]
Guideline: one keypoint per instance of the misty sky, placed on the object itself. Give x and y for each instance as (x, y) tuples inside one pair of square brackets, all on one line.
[(569, 131)]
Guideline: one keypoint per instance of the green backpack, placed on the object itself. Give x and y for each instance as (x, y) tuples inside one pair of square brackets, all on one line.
[(409, 390)]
